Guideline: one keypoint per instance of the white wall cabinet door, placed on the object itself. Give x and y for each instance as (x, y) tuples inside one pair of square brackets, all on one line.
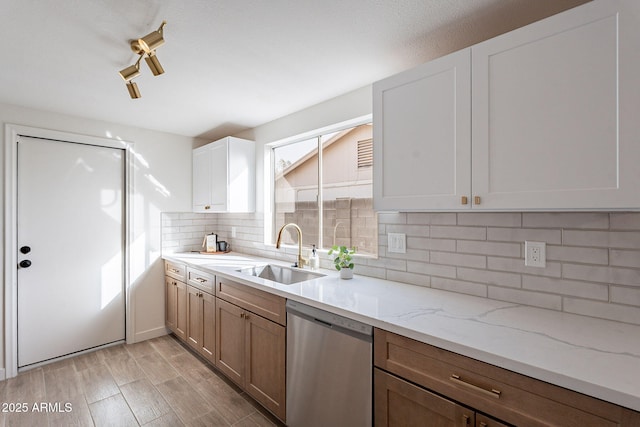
[(201, 179), (550, 104), (224, 176), (422, 136)]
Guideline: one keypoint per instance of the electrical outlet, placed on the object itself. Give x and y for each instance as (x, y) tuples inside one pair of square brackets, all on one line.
[(535, 254), (233, 232), (397, 243)]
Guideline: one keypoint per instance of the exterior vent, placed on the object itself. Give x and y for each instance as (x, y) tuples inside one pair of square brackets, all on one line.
[(365, 153)]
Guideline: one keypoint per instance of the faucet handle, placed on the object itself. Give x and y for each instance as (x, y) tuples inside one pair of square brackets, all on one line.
[(302, 262)]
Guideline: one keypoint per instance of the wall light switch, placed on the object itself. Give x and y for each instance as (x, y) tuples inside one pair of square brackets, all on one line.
[(535, 254), (233, 232), (397, 243)]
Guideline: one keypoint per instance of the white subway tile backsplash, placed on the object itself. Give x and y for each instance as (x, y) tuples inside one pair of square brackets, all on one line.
[(604, 239), (431, 218), (446, 245), (576, 220), (598, 291), (536, 299), (593, 259), (625, 221), (489, 248), (624, 258), (516, 265), (469, 288), (508, 219), (450, 232), (521, 234), (490, 277), (613, 275), (578, 254), (623, 295), (603, 310), (431, 269), (464, 260)]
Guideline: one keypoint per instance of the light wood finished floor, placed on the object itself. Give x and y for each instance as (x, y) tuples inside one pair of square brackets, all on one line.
[(153, 383)]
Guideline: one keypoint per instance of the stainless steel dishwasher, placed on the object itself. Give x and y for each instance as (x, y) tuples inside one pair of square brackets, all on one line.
[(329, 369)]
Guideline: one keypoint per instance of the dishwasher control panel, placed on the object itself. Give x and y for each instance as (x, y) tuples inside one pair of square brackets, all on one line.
[(328, 319)]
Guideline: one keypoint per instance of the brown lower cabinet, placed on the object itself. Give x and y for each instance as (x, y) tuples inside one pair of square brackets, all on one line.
[(176, 306), (201, 317), (250, 350), (418, 384), (243, 333)]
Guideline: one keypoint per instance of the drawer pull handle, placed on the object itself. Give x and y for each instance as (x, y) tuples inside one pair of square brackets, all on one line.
[(493, 392), (175, 270), (201, 280)]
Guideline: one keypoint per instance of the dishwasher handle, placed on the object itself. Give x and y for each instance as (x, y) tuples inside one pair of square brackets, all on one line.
[(331, 320)]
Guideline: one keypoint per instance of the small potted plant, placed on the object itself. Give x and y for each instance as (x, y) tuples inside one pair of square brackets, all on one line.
[(343, 260)]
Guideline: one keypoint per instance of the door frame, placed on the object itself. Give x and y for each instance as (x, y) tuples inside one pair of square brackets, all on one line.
[(12, 133)]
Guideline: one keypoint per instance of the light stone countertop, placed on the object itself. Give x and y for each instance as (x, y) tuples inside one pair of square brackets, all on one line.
[(600, 358)]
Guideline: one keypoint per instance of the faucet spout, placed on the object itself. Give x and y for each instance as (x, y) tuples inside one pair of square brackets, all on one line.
[(301, 261)]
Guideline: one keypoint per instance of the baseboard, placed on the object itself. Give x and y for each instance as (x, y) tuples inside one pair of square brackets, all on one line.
[(149, 334), (3, 374)]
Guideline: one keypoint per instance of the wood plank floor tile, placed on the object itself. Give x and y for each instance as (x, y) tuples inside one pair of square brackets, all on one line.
[(168, 420), (124, 369), (168, 346), (156, 368), (113, 351), (225, 399), (183, 399), (87, 360), (212, 418), (27, 386), (254, 420), (112, 411), (145, 401), (140, 349), (79, 416), (98, 383), (62, 384), (185, 360), (27, 419)]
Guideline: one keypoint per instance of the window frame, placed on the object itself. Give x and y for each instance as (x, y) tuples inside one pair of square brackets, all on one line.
[(269, 164)]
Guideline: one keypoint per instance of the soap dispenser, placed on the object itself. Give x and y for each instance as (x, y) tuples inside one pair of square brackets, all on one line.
[(314, 260)]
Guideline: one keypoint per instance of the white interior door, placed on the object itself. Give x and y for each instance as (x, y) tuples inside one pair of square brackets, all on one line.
[(71, 216)]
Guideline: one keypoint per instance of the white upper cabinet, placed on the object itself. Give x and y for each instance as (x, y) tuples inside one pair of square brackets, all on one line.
[(224, 176), (553, 126), (422, 135)]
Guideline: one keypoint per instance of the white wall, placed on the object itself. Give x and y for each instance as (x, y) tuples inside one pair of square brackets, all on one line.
[(161, 181)]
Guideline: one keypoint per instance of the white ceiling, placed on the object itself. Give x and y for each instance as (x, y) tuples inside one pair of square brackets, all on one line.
[(230, 64)]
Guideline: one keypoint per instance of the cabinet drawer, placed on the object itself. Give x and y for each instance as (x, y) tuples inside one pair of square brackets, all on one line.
[(504, 394), (263, 303), (201, 280), (175, 270)]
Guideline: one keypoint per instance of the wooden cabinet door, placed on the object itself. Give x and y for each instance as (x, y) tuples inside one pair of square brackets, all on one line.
[(399, 403), (265, 363), (208, 310), (181, 310), (230, 340), (171, 303), (194, 317), (422, 136), (552, 122)]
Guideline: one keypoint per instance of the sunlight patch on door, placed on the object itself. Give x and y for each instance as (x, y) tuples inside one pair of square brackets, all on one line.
[(111, 280)]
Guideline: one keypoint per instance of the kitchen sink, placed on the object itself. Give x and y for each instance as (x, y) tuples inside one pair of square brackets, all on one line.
[(280, 274)]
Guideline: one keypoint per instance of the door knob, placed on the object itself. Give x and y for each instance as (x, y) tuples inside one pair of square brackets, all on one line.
[(25, 249), (25, 263)]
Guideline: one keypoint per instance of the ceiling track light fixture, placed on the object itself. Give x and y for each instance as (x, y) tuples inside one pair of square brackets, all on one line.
[(145, 47)]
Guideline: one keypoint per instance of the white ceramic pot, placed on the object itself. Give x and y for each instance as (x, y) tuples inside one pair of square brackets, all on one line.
[(346, 273)]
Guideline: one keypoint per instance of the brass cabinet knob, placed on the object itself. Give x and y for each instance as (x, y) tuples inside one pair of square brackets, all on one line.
[(476, 200), (464, 200)]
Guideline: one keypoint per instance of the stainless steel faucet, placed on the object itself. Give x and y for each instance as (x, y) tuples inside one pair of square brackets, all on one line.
[(301, 261)]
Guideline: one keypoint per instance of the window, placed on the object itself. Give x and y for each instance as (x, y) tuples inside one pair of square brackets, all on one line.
[(324, 184)]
